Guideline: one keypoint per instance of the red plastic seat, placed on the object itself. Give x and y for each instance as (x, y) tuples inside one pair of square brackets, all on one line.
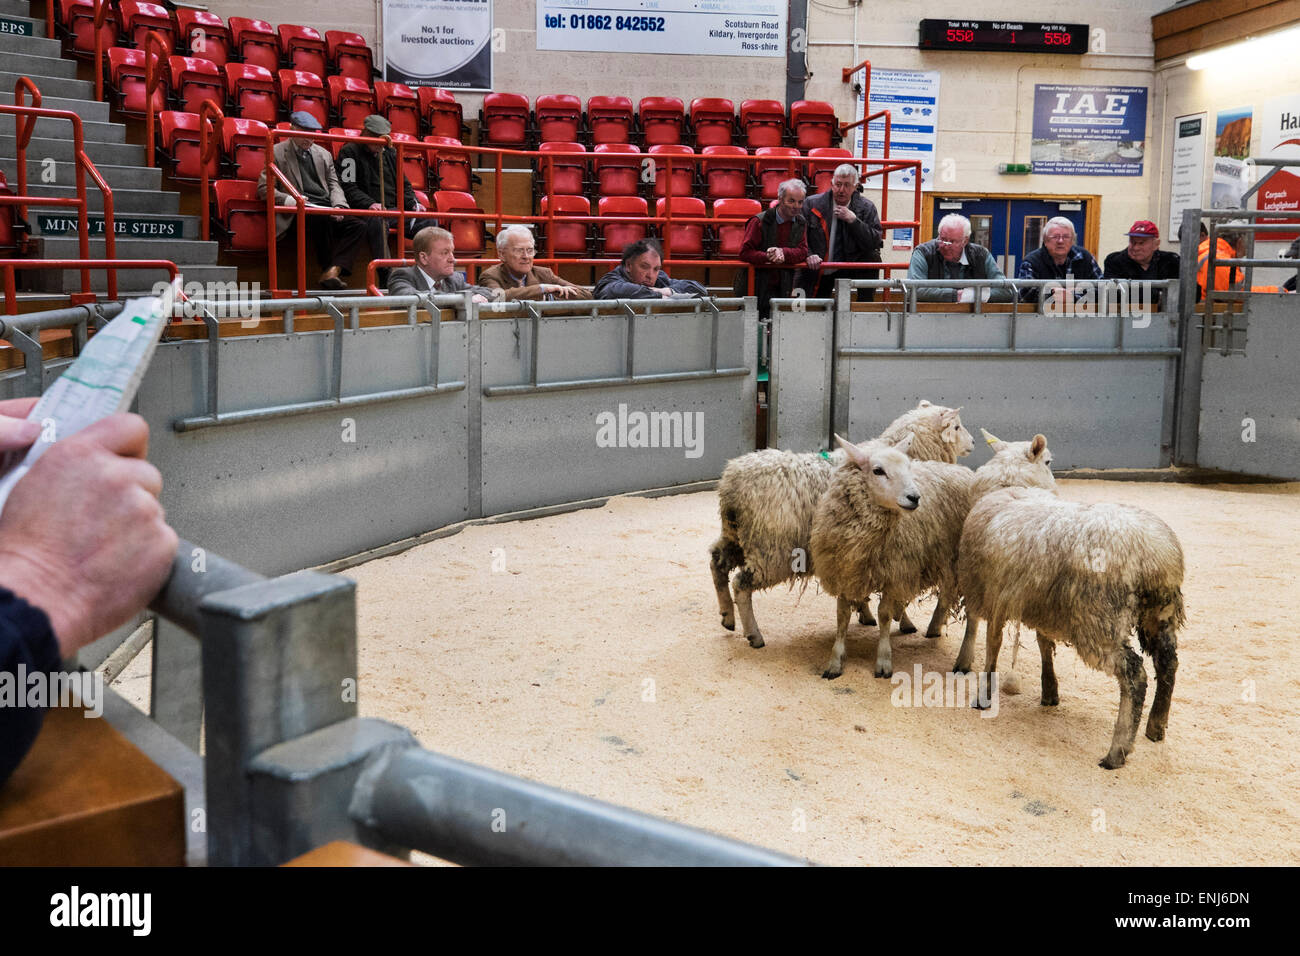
[(782, 164), (399, 104), (255, 41), (662, 118), (351, 99), (730, 218), (680, 181), (126, 77), (253, 92), (814, 124), (558, 117), (349, 55), (303, 49), (10, 231), (469, 236), (726, 171), (714, 121), (79, 19), (300, 90), (244, 142), (439, 109), (178, 136), (568, 173), (203, 34), (615, 235), (139, 18), (617, 168), (683, 240), (335, 145), (570, 238), (194, 80), (504, 119), (610, 119), (415, 162), (451, 165), (762, 122), (241, 214), (821, 172)]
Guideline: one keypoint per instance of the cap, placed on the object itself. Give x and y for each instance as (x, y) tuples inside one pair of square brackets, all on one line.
[(1144, 229), (376, 125), (304, 120)]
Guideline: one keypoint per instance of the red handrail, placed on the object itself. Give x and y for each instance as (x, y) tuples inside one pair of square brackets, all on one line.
[(152, 76), (102, 10), (211, 119), (10, 266)]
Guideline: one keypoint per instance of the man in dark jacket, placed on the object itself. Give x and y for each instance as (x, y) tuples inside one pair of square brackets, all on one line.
[(778, 236), (1143, 259), (641, 276), (434, 272), (843, 226), (1059, 257)]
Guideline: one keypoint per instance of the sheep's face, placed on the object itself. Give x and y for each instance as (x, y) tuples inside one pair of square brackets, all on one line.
[(955, 434), (888, 473)]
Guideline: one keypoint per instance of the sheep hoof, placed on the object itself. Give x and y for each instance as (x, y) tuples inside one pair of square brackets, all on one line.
[(980, 705), (1050, 700), (907, 627), (933, 636), (729, 622), (866, 620), (830, 674), (1156, 733), (755, 640), (960, 668), (884, 672), (1111, 762)]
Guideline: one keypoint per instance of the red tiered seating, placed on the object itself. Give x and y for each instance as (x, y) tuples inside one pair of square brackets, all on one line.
[(349, 54), (504, 119), (300, 90), (139, 18), (399, 104), (610, 119), (79, 19), (726, 171), (558, 117), (814, 124), (468, 235), (685, 240), (415, 162), (241, 214), (178, 135), (615, 235), (681, 182), (203, 34), (731, 216), (617, 169), (662, 118), (334, 145), (570, 237), (303, 49), (820, 173), (244, 142), (194, 80), (762, 122), (255, 41), (253, 92), (451, 165), (126, 78), (441, 112), (713, 120), (351, 99), (568, 172), (778, 169)]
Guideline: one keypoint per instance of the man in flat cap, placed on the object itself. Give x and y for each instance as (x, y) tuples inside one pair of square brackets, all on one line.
[(310, 169)]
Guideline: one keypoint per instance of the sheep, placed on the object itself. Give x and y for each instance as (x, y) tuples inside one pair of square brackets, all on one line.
[(766, 501), (1085, 575), (864, 541)]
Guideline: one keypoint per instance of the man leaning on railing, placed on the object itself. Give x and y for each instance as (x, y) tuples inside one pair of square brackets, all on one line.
[(953, 256)]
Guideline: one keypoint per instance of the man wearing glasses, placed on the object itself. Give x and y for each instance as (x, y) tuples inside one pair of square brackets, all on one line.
[(518, 278), (1058, 258), (953, 256)]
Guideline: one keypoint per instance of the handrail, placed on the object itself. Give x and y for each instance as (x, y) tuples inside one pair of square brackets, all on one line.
[(23, 130), (9, 266), (211, 119), (102, 10), (152, 77)]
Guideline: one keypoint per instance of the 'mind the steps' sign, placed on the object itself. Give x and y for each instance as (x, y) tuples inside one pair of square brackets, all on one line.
[(20, 28), (124, 226)]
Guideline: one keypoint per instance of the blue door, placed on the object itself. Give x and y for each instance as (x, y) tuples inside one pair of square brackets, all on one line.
[(1011, 228)]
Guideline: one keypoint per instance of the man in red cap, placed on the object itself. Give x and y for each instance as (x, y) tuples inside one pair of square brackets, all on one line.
[(1143, 259)]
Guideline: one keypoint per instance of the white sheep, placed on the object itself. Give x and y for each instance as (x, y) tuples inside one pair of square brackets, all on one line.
[(1086, 575), (766, 501)]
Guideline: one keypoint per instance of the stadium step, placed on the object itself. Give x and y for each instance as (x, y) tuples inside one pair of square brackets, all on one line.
[(15, 8), (12, 23), (48, 127), (85, 108), (63, 150), (45, 66), (60, 86), (196, 253), (129, 281), (61, 173), (124, 200), (29, 45)]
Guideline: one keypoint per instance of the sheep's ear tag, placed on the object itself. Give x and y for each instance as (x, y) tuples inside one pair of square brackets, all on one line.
[(991, 439), (826, 454)]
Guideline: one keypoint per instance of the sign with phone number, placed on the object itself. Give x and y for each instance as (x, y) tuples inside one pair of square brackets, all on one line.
[(713, 27)]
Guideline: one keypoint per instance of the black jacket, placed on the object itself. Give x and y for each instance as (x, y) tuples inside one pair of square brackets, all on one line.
[(859, 241), (358, 170), (26, 639), (1164, 265), (615, 284)]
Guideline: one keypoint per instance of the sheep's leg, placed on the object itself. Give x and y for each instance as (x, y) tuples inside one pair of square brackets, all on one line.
[(1047, 649), (884, 650), (744, 586), (938, 619), (992, 647), (724, 556), (905, 626), (967, 652), (1132, 694), (864, 614), (1164, 653), (835, 666)]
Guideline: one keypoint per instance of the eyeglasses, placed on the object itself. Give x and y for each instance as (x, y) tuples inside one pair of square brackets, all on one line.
[(528, 251), (953, 242), (1058, 237)]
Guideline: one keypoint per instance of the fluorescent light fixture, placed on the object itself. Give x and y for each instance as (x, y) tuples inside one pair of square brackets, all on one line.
[(1249, 51)]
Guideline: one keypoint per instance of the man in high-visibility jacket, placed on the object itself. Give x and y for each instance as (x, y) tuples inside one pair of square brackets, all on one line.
[(1226, 247)]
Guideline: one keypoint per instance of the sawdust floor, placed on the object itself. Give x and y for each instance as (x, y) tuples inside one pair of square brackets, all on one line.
[(591, 658)]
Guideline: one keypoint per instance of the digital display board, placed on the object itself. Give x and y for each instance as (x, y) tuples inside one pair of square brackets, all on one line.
[(1007, 36)]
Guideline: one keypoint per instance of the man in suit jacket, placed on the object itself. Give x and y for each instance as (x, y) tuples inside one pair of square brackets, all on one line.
[(518, 278), (434, 271), (310, 169), (843, 226)]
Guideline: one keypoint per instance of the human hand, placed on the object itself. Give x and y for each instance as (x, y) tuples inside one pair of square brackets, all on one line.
[(845, 214), (665, 291), (375, 205), (90, 561), (775, 254), (564, 291), (479, 298), (966, 295), (16, 432), (815, 262)]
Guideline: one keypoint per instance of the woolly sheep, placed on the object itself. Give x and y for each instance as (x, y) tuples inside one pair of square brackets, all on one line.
[(1086, 575), (766, 501)]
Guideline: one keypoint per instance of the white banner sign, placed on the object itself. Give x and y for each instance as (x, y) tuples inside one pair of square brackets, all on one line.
[(912, 99), (445, 43), (723, 28), (1187, 184)]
